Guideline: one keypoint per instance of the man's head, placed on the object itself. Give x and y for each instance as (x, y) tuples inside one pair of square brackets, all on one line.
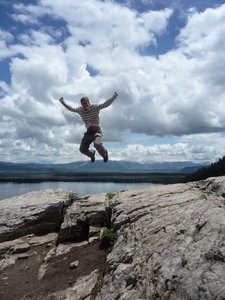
[(85, 103)]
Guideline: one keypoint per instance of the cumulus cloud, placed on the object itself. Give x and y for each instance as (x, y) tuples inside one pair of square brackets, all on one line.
[(94, 48), (196, 148), (5, 36)]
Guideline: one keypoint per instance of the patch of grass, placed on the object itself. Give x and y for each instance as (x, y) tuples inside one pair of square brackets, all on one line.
[(155, 296), (109, 208), (72, 196), (107, 238), (3, 252), (109, 196), (111, 204)]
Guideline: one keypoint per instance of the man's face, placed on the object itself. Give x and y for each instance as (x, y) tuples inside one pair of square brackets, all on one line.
[(85, 104)]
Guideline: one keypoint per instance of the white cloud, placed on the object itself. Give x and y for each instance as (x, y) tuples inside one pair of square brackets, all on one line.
[(197, 148), (24, 18), (6, 36), (156, 21), (27, 13), (180, 92)]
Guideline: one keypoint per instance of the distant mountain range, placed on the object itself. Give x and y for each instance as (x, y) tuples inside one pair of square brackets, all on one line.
[(100, 166)]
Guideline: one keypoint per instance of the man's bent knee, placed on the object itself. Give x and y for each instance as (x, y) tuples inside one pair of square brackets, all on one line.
[(83, 150)]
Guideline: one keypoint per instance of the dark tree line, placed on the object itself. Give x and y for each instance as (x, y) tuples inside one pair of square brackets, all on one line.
[(213, 170)]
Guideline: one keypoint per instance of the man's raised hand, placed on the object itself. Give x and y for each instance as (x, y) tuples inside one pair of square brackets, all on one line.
[(115, 95)]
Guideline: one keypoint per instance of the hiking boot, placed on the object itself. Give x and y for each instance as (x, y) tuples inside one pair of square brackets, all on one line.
[(106, 157), (92, 155)]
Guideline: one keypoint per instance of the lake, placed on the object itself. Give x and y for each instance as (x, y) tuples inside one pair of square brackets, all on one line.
[(10, 189)]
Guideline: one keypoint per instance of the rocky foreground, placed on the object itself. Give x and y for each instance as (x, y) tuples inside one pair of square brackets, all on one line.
[(168, 243)]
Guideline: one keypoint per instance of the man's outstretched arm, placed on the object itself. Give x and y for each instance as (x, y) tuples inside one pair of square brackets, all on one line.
[(68, 106), (108, 102)]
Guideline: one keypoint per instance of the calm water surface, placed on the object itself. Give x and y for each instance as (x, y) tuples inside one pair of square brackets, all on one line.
[(8, 190)]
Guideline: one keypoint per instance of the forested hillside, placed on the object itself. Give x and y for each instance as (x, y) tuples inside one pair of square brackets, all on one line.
[(213, 170)]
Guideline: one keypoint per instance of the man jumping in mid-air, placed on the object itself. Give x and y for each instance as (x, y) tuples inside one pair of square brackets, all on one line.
[(89, 113)]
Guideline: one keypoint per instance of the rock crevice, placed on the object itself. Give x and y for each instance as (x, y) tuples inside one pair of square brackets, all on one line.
[(169, 241)]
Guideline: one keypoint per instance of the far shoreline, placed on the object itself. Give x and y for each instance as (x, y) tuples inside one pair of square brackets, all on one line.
[(116, 177)]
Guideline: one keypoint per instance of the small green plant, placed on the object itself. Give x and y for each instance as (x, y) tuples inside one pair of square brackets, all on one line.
[(155, 296), (109, 196), (107, 238), (3, 252), (110, 207), (72, 196), (109, 210)]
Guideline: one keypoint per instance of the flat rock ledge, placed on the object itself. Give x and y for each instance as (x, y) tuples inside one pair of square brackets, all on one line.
[(32, 213), (169, 243)]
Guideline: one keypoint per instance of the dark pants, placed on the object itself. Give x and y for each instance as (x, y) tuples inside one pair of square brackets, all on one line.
[(89, 138)]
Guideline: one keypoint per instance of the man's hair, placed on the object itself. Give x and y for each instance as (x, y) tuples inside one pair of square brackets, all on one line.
[(84, 99)]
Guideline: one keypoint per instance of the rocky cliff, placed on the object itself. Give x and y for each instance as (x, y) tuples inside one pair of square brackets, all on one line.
[(167, 242)]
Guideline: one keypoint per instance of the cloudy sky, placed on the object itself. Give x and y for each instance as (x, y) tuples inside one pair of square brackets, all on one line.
[(165, 59)]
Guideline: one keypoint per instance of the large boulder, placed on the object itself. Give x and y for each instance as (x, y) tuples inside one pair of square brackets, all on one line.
[(38, 212), (87, 211), (170, 243)]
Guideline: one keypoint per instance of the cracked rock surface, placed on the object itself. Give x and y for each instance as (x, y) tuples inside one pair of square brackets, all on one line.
[(169, 243), (32, 213)]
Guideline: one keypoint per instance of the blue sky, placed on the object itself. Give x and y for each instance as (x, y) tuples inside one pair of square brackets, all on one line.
[(164, 58)]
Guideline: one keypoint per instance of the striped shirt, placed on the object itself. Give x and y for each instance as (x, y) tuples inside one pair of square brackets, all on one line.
[(90, 116)]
